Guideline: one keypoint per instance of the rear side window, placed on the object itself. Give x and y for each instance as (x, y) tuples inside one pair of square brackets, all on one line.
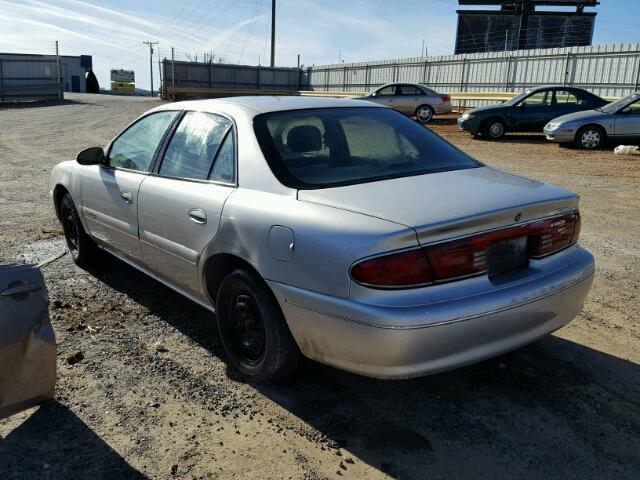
[(327, 147), (565, 97), (410, 90), (224, 166), (136, 147), (194, 146)]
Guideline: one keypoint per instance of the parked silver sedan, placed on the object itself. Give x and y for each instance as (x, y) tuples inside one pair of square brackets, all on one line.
[(412, 99), (338, 229), (618, 121)]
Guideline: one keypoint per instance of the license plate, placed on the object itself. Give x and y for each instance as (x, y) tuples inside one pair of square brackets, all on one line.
[(507, 255)]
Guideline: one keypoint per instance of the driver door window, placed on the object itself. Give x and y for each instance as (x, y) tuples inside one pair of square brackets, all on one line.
[(633, 109), (538, 99), (389, 91), (137, 146)]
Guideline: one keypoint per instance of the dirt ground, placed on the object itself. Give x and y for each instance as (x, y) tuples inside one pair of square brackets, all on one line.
[(565, 407)]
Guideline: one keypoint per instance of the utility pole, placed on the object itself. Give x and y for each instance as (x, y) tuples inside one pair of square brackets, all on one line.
[(59, 74), (173, 67), (273, 33), (151, 44)]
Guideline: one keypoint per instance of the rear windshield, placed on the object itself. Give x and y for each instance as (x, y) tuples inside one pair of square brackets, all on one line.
[(329, 147)]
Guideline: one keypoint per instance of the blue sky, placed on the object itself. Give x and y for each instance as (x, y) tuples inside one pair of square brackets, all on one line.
[(237, 30)]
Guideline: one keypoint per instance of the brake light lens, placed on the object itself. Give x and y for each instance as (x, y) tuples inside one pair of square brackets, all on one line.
[(554, 234), (446, 98), (464, 257), (401, 269)]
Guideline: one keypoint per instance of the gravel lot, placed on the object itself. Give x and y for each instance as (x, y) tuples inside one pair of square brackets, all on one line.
[(565, 407)]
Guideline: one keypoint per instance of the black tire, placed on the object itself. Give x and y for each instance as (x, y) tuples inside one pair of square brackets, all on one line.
[(493, 129), (424, 114), (81, 248), (252, 328), (590, 137)]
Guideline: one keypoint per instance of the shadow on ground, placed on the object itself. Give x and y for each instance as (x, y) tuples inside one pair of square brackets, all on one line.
[(555, 409), (42, 103), (54, 443)]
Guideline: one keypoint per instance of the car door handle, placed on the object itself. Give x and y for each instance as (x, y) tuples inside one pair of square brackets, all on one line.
[(127, 197), (197, 215), (20, 289)]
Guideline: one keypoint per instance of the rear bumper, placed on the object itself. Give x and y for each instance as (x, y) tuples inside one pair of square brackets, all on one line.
[(409, 341), (443, 108)]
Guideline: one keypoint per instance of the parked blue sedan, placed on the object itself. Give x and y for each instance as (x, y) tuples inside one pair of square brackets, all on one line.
[(528, 112)]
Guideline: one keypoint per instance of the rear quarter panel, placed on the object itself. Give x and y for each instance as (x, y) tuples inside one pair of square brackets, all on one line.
[(327, 240)]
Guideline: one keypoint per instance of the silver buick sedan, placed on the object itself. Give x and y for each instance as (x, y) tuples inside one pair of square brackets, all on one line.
[(412, 99), (336, 229)]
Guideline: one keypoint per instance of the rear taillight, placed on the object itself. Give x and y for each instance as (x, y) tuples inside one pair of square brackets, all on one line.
[(446, 98), (400, 269), (554, 234), (464, 257)]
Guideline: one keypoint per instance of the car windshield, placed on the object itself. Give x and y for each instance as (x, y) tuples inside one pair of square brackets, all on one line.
[(517, 98), (327, 147), (618, 104)]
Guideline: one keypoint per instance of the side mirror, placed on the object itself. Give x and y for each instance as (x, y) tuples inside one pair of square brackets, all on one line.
[(91, 156)]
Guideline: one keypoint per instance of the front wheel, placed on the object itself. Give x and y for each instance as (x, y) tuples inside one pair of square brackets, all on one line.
[(424, 114), (494, 129), (590, 138), (81, 247), (252, 328)]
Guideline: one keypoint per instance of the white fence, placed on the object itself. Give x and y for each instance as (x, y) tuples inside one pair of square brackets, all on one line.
[(606, 70)]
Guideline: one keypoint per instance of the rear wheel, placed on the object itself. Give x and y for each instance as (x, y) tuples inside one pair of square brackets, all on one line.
[(253, 330), (590, 137), (424, 114), (494, 129), (81, 248)]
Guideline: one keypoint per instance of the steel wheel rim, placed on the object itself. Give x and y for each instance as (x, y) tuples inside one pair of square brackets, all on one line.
[(247, 329), (496, 130), (590, 138), (424, 114), (71, 232)]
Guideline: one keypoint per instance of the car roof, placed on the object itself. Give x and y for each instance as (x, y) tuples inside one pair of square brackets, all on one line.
[(563, 87), (254, 105)]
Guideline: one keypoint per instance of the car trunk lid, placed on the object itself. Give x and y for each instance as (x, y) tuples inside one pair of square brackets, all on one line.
[(445, 205)]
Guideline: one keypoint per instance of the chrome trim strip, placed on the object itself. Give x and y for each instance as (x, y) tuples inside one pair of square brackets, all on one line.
[(169, 247), (110, 222)]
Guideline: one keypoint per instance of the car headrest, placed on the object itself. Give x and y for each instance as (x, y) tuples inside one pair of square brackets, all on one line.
[(304, 138)]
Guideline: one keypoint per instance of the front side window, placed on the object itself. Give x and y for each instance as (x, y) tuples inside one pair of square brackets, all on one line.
[(633, 109), (538, 99), (387, 91), (136, 147), (327, 147), (194, 146)]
